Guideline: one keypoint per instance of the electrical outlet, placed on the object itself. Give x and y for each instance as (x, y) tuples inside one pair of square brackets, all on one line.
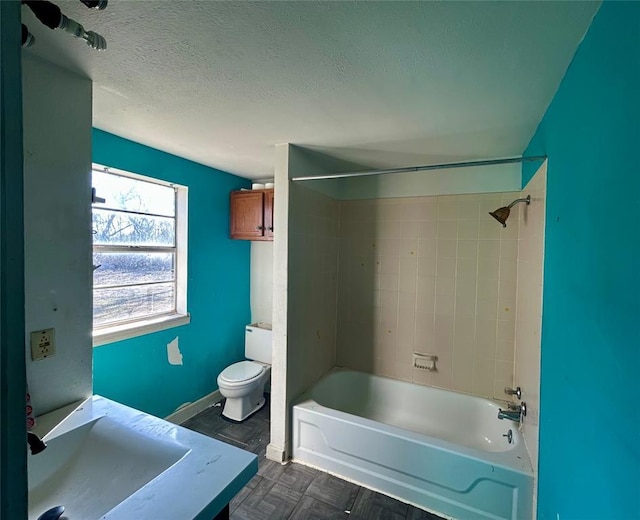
[(43, 344)]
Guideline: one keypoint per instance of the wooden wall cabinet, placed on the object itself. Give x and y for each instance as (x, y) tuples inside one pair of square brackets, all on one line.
[(252, 214)]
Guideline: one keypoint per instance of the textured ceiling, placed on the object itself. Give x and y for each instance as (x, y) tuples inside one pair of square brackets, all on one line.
[(377, 83)]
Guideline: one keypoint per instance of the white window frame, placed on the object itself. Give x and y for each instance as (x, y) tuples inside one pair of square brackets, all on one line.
[(149, 324)]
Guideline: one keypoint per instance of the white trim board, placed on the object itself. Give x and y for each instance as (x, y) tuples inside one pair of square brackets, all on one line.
[(187, 411)]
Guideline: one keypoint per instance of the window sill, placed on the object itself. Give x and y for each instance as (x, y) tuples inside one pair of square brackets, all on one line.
[(140, 328)]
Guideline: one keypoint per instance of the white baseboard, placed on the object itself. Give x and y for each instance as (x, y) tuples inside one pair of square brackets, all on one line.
[(276, 454), (187, 411)]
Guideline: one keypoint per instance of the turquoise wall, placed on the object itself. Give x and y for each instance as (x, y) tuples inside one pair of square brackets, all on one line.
[(136, 372), (589, 465)]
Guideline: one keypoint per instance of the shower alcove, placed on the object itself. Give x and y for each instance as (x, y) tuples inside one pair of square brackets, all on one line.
[(369, 270)]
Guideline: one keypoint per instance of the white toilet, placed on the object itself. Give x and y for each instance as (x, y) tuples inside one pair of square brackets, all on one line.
[(243, 383)]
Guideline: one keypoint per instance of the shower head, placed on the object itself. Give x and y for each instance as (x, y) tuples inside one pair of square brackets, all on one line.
[(502, 214)]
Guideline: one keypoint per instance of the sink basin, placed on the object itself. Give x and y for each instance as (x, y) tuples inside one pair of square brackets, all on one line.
[(91, 469), (109, 461)]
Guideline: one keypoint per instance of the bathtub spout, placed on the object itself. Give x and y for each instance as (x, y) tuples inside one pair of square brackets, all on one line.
[(515, 413)]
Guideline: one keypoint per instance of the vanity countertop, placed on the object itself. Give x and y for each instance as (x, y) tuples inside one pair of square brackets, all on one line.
[(204, 479)]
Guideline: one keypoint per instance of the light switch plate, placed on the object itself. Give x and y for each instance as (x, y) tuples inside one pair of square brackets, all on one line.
[(43, 344)]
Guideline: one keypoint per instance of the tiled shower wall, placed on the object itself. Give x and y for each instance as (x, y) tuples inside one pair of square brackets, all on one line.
[(435, 275), (313, 273)]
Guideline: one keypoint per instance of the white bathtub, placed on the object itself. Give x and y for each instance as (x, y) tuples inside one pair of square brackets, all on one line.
[(439, 450)]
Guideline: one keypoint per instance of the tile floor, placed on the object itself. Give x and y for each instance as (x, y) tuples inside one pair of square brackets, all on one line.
[(295, 492)]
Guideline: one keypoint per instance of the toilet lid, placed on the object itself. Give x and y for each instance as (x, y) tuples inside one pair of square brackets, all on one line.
[(242, 371)]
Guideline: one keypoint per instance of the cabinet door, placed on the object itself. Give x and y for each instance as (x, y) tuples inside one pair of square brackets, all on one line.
[(268, 214), (247, 215)]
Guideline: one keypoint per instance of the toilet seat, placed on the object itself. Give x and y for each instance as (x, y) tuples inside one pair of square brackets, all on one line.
[(241, 373)]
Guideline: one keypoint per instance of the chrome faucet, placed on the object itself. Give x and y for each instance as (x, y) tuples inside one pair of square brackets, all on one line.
[(514, 413), (36, 444)]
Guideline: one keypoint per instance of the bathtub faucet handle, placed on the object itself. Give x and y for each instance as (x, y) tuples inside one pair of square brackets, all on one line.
[(513, 391)]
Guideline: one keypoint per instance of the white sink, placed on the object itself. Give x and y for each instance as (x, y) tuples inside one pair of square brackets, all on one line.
[(109, 461)]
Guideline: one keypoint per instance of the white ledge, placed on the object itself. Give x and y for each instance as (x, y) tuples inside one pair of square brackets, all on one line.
[(139, 328)]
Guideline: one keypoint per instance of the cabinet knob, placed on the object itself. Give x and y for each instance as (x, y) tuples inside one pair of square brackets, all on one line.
[(259, 228), (270, 228)]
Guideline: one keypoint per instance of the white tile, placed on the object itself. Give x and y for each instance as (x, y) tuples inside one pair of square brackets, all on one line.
[(489, 249), (409, 230), (408, 275), (445, 285), (488, 289), (447, 209), (504, 351), (391, 210), (444, 305), (426, 287), (468, 230), (425, 329), (411, 209), (426, 265), (466, 268), (464, 340), (506, 331), (447, 248), (486, 332), (425, 303), (428, 208), (507, 291), (389, 299), (427, 248), (464, 332), (508, 270), (506, 311), (508, 249), (467, 249), (387, 229), (443, 331), (504, 370), (388, 282), (462, 376), (404, 371), (468, 208), (488, 268), (446, 267), (486, 309), (466, 290), (447, 230), (408, 248), (489, 230), (483, 377), (511, 231), (428, 229), (387, 247), (465, 310)]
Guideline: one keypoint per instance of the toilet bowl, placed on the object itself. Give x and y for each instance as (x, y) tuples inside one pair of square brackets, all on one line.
[(243, 383)]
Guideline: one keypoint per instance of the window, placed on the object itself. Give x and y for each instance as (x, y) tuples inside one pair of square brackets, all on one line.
[(139, 255)]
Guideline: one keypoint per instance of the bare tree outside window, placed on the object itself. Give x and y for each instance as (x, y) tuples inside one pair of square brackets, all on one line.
[(134, 243)]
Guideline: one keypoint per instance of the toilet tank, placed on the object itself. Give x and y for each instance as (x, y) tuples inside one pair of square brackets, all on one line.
[(257, 342)]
